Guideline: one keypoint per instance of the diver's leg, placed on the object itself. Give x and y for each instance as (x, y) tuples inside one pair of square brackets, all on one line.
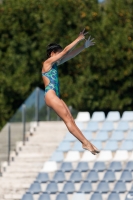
[(68, 110), (83, 145), (54, 102)]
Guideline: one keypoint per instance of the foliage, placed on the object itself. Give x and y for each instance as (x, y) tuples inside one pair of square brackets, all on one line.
[(100, 78)]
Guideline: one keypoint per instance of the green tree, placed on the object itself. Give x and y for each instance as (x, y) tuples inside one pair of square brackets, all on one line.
[(100, 78), (106, 81), (26, 28)]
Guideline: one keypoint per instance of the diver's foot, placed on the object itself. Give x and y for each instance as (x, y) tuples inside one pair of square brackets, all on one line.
[(90, 147)]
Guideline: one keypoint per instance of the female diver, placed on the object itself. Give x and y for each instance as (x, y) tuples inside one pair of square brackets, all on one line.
[(56, 56)]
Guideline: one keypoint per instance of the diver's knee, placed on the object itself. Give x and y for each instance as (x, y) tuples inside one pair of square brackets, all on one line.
[(69, 121)]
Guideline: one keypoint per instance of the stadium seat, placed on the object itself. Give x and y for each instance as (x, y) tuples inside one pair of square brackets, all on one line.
[(76, 176), (45, 196), (111, 145), (72, 156), (42, 177), (131, 156), (83, 117), (98, 144), (92, 126), (77, 147), (105, 156), (52, 187), (85, 187), (69, 137), (130, 135), (109, 176), (64, 146), (129, 166), (120, 187), (107, 126), (102, 136), (121, 155), (82, 167), (59, 176), (122, 126), (131, 188), (127, 145), (113, 116), (66, 166), (57, 156), (88, 156), (49, 166), (99, 166), (35, 188), (117, 135), (79, 125), (69, 187), (113, 196), (103, 187), (92, 176), (78, 196), (27, 196), (61, 196), (88, 134), (129, 195), (115, 166), (98, 116), (126, 176), (127, 116), (96, 196)]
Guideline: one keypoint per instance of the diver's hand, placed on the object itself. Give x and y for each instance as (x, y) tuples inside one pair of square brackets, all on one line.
[(89, 42), (82, 35)]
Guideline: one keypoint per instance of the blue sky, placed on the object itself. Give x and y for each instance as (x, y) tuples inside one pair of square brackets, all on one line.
[(100, 1)]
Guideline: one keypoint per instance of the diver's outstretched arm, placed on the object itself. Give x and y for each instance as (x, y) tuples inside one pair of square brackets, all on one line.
[(89, 42), (50, 61)]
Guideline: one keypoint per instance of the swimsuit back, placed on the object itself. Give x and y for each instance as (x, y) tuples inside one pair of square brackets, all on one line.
[(52, 75)]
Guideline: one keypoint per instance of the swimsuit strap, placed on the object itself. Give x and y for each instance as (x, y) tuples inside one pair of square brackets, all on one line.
[(53, 67)]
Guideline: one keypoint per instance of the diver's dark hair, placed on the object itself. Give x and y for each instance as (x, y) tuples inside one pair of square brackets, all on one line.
[(53, 47)]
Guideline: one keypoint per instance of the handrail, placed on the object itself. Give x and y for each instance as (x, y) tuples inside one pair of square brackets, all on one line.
[(33, 109)]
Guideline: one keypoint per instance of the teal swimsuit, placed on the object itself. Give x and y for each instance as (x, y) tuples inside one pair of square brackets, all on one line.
[(52, 75)]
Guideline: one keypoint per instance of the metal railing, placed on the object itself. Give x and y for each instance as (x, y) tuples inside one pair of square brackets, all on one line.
[(34, 109)]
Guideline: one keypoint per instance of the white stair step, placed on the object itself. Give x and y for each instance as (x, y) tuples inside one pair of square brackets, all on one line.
[(13, 196), (30, 159), (22, 170), (18, 175)]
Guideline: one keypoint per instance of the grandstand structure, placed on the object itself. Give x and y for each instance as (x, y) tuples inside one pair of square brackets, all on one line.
[(53, 166)]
